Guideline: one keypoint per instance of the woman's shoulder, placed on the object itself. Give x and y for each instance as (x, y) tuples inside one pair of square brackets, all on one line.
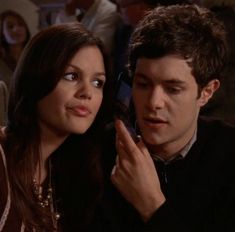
[(2, 155), (3, 162), (3, 103), (6, 73), (2, 134), (2, 139), (6, 213)]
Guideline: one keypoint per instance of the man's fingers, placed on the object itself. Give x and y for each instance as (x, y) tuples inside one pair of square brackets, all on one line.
[(124, 139), (140, 144)]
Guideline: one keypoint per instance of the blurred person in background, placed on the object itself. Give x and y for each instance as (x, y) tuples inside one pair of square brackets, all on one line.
[(98, 16), (14, 35), (131, 12)]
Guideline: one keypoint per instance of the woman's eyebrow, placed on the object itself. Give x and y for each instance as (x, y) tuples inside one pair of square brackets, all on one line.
[(79, 69), (74, 66)]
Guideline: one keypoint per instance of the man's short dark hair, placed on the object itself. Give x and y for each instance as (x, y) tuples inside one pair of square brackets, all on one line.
[(187, 31)]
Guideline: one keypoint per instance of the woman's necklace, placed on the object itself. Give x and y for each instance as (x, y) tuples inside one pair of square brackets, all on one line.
[(47, 201)]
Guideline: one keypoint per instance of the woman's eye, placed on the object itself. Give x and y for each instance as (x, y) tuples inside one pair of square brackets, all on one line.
[(98, 83), (70, 76)]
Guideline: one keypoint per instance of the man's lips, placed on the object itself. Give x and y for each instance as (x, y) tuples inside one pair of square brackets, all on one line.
[(81, 111), (154, 122)]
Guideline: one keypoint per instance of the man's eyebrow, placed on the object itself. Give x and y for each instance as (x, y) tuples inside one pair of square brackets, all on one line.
[(175, 81)]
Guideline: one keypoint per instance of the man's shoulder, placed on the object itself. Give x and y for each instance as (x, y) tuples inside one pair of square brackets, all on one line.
[(217, 131), (215, 125)]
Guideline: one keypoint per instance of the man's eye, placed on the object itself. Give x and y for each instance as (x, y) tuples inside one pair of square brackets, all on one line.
[(174, 90), (70, 76), (98, 83)]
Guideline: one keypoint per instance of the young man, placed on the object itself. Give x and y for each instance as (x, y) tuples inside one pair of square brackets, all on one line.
[(179, 175)]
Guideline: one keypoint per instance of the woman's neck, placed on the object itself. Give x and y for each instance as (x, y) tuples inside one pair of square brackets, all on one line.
[(50, 141)]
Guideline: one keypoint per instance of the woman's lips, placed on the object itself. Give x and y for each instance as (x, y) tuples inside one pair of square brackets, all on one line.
[(80, 111)]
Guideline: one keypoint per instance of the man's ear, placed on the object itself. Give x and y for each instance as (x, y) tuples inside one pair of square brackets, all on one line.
[(208, 91)]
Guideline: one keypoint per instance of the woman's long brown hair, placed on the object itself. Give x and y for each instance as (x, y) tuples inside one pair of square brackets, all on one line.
[(41, 66)]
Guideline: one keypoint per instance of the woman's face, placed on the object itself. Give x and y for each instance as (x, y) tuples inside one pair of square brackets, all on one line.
[(72, 106), (14, 30)]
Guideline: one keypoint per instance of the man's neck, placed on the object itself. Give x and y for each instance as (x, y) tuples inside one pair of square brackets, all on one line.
[(171, 150)]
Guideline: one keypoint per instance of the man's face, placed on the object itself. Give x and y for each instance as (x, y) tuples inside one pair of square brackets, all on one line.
[(167, 105)]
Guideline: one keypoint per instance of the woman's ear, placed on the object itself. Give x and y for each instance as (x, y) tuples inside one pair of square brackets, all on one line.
[(208, 91)]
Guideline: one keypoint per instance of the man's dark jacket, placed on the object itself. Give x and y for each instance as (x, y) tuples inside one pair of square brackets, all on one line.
[(199, 189)]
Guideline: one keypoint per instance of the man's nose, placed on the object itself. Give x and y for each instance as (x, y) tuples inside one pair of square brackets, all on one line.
[(156, 98)]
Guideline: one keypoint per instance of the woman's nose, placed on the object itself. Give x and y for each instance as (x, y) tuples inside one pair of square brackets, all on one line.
[(84, 91)]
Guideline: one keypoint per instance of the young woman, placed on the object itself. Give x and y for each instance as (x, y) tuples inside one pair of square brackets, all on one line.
[(58, 99), (14, 35)]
